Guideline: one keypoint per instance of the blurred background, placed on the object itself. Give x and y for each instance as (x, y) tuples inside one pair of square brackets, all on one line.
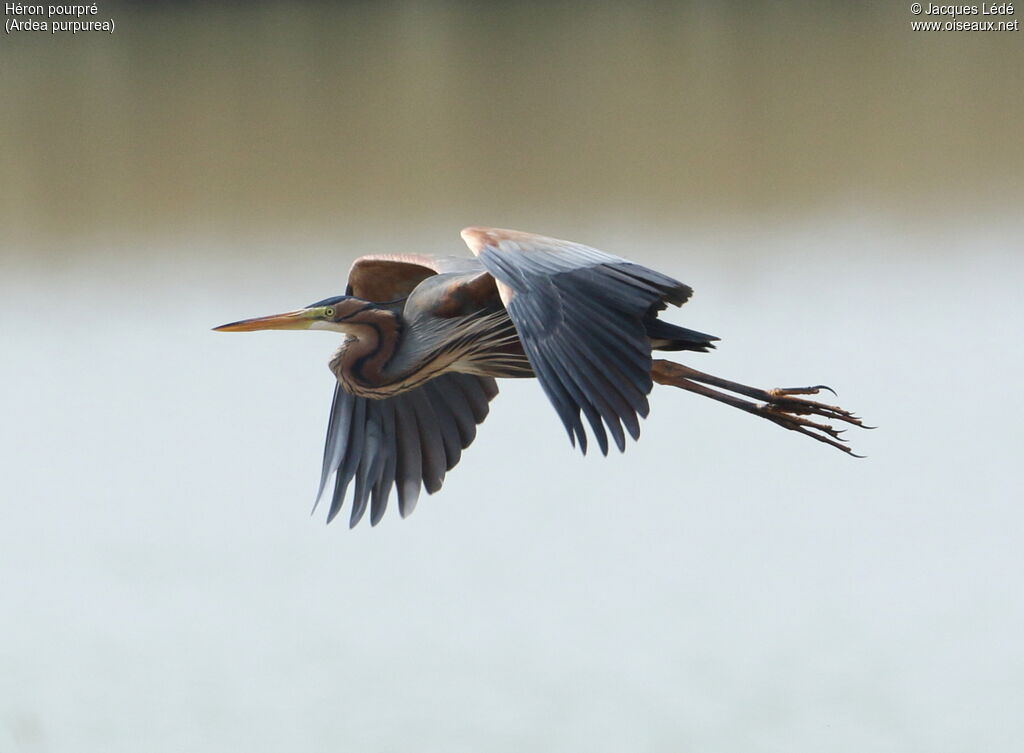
[(842, 192)]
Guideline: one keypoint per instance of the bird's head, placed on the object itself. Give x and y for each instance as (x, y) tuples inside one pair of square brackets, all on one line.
[(339, 314)]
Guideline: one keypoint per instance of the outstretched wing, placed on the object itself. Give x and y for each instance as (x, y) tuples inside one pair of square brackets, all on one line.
[(405, 441), (579, 314)]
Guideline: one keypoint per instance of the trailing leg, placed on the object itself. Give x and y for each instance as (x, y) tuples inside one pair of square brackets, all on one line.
[(780, 406)]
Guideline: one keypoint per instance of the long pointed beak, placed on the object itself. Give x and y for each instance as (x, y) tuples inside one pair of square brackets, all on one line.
[(301, 319)]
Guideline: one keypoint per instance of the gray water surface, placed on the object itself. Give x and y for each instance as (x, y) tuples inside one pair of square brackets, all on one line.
[(723, 586)]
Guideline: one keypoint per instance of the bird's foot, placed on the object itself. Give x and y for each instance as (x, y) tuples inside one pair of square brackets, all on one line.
[(781, 406), (789, 412)]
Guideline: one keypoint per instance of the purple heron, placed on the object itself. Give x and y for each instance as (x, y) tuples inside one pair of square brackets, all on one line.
[(425, 338)]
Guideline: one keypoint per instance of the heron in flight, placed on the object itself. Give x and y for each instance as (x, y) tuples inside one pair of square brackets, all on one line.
[(426, 337)]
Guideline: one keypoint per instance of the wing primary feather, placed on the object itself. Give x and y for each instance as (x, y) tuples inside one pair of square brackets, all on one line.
[(558, 394), (622, 369), (488, 385), (568, 378), (625, 357), (382, 489), (431, 442), (522, 314), (409, 471), (370, 465), (360, 496), (438, 397), (462, 415), (337, 436), (476, 397), (351, 460), (613, 407), (337, 499), (629, 380)]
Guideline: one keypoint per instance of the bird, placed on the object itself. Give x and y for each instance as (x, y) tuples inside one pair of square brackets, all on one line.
[(426, 338)]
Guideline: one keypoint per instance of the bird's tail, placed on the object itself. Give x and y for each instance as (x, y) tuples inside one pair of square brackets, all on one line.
[(665, 336)]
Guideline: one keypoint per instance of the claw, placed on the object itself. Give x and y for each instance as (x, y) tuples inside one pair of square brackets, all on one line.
[(785, 391)]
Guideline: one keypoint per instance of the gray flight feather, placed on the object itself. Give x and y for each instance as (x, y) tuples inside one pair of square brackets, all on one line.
[(404, 442), (580, 315)]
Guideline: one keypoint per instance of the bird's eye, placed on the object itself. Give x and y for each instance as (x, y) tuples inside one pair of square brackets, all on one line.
[(329, 313)]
